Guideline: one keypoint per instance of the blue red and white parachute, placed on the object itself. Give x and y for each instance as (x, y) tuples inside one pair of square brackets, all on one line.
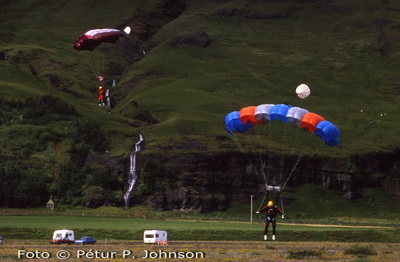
[(247, 117)]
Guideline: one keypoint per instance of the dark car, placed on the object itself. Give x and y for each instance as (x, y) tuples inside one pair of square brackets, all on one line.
[(85, 240)]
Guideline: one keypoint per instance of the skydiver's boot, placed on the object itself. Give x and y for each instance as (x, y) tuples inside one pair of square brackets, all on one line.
[(273, 237), (265, 237)]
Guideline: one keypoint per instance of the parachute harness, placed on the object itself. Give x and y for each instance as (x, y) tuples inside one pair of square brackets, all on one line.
[(277, 200)]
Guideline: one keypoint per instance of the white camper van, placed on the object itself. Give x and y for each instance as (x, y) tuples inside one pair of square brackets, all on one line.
[(63, 236), (154, 236)]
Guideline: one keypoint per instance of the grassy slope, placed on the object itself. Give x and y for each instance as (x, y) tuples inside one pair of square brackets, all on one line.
[(254, 61), (250, 61), (190, 89), (53, 28)]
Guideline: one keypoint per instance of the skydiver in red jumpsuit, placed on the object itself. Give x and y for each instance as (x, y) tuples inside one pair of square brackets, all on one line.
[(101, 96), (271, 212)]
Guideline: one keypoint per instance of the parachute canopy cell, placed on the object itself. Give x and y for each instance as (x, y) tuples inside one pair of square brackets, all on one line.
[(279, 112), (295, 114), (262, 113), (92, 38), (310, 121), (234, 123), (303, 91), (247, 115), (328, 132)]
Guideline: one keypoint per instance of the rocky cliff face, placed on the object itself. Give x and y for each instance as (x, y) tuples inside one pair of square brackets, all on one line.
[(205, 183)]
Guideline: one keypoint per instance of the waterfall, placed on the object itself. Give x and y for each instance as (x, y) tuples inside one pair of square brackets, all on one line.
[(133, 169)]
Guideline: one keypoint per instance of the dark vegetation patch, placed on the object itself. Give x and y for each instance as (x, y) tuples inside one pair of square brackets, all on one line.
[(6, 37), (39, 162), (35, 110), (222, 1), (304, 254), (394, 86), (328, 8), (146, 117), (61, 84), (201, 39), (147, 23), (273, 14), (138, 116), (359, 250), (227, 11)]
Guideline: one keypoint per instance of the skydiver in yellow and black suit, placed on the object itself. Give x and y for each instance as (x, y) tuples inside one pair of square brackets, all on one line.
[(271, 212)]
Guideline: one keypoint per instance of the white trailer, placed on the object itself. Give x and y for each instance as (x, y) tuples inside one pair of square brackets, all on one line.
[(63, 236), (155, 236)]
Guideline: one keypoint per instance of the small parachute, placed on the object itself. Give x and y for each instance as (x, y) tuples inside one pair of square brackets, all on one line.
[(127, 30), (303, 91), (92, 38)]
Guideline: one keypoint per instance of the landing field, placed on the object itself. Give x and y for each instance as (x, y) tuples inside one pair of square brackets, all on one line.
[(120, 239)]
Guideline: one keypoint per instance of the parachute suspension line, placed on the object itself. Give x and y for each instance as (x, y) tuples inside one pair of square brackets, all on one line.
[(297, 141), (294, 168), (283, 155), (94, 66), (96, 62), (313, 156), (259, 208), (237, 142), (292, 161), (263, 163), (297, 161), (248, 139), (242, 149), (269, 154), (99, 62), (262, 168), (260, 165)]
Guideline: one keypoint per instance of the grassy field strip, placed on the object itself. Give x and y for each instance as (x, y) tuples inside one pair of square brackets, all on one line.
[(42, 227), (109, 223), (334, 226)]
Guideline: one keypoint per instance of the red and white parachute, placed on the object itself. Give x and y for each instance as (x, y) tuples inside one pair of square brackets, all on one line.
[(92, 38)]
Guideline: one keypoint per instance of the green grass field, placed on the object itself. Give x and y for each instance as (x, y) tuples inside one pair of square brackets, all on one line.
[(212, 240), (41, 227)]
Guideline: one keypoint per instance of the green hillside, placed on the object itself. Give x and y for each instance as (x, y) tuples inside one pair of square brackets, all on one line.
[(176, 93)]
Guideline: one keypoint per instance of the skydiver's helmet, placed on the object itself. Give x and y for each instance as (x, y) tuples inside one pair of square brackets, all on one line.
[(270, 204), (100, 87)]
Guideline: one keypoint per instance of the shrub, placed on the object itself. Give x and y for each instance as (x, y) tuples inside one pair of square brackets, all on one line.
[(304, 254), (46, 106), (360, 250)]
